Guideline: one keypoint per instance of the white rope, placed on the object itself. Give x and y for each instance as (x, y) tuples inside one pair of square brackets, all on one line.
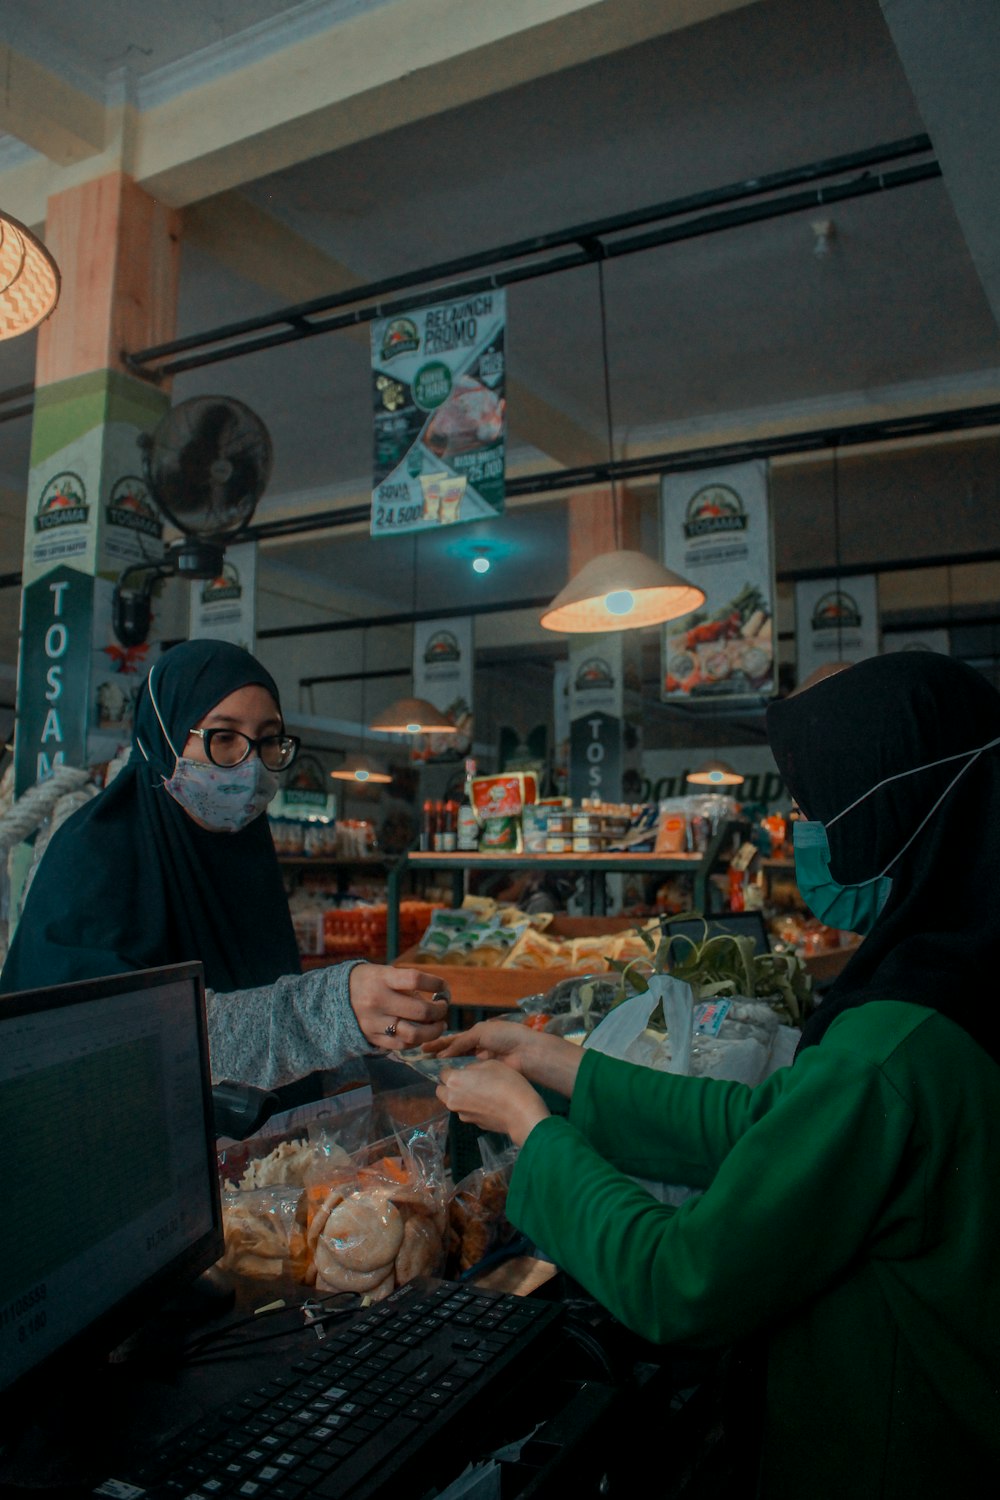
[(33, 806)]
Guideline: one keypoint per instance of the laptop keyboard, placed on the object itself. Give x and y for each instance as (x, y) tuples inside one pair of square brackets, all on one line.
[(350, 1417)]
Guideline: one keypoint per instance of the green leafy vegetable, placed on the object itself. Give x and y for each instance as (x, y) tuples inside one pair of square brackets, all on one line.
[(717, 964)]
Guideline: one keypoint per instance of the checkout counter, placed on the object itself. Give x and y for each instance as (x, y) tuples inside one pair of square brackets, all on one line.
[(123, 1348)]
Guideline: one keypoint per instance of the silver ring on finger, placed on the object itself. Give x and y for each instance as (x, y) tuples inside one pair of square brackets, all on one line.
[(390, 1030)]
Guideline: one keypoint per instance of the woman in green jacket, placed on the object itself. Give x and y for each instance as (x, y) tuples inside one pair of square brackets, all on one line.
[(849, 1218)]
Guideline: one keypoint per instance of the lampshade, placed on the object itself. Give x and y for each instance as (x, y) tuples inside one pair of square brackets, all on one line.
[(29, 279), (621, 591), (715, 773), (411, 716), (361, 769)]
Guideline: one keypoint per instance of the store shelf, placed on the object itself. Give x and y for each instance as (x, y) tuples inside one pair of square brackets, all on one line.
[(592, 867), (337, 861)]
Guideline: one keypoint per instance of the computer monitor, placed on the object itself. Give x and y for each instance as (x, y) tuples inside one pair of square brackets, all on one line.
[(111, 1196), (735, 923)]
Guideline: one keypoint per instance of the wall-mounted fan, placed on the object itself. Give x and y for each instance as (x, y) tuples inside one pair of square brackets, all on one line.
[(206, 465)]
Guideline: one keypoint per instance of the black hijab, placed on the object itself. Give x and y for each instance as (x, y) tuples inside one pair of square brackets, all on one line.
[(131, 882), (937, 939)]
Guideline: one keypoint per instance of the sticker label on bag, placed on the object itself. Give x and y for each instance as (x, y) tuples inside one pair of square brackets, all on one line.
[(709, 1016)]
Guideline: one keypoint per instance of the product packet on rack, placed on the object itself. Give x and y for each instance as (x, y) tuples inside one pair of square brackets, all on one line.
[(498, 802)]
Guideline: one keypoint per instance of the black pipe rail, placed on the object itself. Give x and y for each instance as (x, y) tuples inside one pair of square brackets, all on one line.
[(301, 320)]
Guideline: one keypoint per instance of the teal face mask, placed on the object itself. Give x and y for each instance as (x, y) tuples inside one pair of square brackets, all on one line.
[(855, 908), (849, 908)]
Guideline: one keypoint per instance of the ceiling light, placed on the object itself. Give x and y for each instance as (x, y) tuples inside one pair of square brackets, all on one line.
[(715, 773), (411, 716), (480, 564), (824, 231), (621, 591), (360, 768), (29, 279)]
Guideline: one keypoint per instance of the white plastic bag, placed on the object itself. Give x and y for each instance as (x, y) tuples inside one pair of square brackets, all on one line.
[(696, 1044), (624, 1031)]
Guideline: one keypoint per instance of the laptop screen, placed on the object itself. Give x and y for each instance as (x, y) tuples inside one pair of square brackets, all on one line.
[(109, 1179)]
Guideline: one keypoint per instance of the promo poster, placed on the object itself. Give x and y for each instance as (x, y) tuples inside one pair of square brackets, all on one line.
[(716, 528), (438, 380), (443, 660), (835, 620)]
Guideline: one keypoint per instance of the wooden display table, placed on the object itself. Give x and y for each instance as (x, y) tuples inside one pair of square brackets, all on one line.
[(480, 988)]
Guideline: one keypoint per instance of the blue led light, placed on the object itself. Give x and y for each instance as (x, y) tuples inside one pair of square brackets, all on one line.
[(621, 602)]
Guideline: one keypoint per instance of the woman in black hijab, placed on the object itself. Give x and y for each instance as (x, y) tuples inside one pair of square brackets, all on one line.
[(847, 1221), (174, 861), (898, 760)]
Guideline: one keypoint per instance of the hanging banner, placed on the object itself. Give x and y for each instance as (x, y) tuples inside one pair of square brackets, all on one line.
[(439, 413), (835, 621), (598, 732), (716, 529), (560, 728), (225, 608), (443, 658), (89, 517), (305, 791)]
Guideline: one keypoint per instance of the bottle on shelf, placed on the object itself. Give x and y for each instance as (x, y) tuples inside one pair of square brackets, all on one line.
[(448, 834), (466, 822), (428, 826)]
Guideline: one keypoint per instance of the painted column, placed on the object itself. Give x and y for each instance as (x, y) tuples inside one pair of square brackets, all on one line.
[(88, 514)]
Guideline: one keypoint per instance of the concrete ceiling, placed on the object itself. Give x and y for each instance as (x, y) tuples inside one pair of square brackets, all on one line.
[(318, 146)]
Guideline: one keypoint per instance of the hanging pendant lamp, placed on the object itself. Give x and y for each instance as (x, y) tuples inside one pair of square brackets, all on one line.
[(357, 766), (29, 279), (618, 590), (621, 591), (362, 769), (715, 773), (412, 716)]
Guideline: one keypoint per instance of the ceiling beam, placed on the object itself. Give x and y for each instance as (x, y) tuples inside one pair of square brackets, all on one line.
[(376, 71), (949, 51), (40, 109)]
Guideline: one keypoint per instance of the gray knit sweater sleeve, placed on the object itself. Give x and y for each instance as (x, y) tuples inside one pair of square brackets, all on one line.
[(282, 1031)]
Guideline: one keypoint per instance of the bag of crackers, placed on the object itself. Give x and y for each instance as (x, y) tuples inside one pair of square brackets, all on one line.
[(477, 1211), (378, 1218), (333, 1208)]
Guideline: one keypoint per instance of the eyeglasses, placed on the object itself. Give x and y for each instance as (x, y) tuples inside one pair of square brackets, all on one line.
[(230, 747)]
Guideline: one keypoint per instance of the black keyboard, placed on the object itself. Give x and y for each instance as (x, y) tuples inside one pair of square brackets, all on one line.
[(358, 1415)]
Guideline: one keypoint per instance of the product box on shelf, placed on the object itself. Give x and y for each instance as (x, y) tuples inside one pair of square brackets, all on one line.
[(497, 802)]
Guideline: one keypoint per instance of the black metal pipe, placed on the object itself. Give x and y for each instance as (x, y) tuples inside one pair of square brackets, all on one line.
[(294, 320), (891, 429), (451, 612), (897, 565), (924, 424), (11, 413), (308, 682)]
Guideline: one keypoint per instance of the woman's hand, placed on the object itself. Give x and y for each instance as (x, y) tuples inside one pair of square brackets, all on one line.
[(545, 1059), (493, 1097), (398, 1008)]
